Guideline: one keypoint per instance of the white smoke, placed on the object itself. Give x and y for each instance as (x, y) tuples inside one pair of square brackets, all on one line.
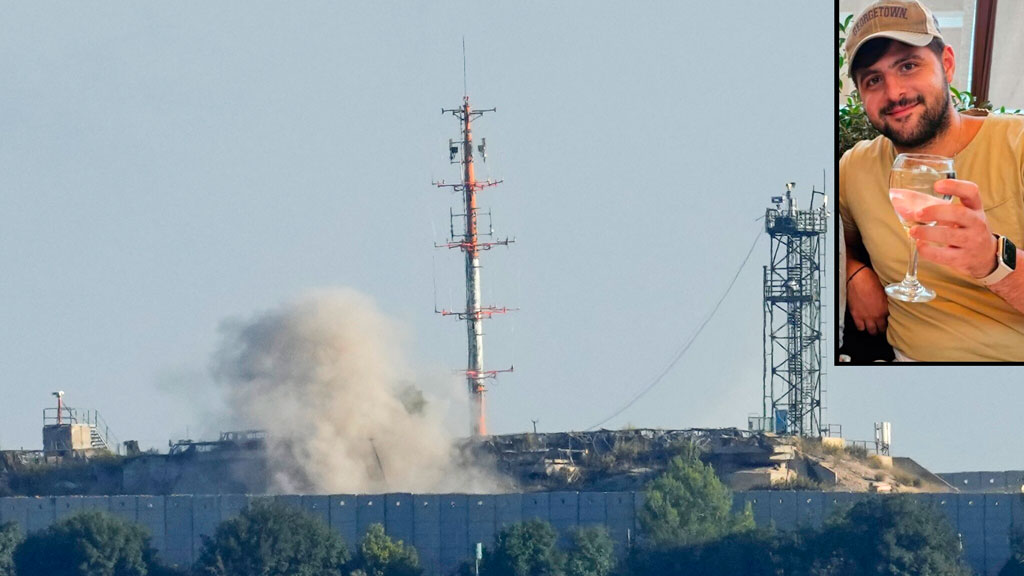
[(326, 378)]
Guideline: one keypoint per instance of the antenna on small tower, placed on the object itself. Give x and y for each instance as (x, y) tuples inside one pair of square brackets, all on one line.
[(461, 152)]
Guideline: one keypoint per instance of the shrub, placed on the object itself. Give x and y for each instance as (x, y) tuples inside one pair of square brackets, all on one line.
[(687, 505), (90, 543), (524, 549), (271, 539), (379, 555), (591, 552), (10, 537), (892, 535)]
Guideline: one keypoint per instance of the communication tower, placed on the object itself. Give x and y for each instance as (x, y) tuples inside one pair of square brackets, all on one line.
[(469, 241), (792, 315)]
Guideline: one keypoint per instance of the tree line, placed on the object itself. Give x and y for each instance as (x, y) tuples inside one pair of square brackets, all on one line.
[(687, 527)]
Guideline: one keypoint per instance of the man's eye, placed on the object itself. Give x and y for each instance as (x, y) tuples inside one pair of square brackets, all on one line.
[(907, 66), (871, 81)]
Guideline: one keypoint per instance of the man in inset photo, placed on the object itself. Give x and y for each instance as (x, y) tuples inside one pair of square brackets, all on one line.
[(967, 240)]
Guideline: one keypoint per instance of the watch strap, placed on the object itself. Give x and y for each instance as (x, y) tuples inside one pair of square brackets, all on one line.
[(1005, 261)]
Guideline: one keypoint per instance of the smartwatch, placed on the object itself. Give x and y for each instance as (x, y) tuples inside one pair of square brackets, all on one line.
[(1006, 261)]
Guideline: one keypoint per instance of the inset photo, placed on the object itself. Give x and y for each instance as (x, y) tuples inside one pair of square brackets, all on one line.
[(931, 182)]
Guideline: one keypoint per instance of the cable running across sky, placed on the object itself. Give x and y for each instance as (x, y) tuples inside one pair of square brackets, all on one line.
[(679, 355)]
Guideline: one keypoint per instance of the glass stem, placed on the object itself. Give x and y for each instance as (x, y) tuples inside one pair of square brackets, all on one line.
[(911, 278)]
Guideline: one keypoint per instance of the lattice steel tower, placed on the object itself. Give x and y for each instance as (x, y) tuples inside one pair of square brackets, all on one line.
[(792, 315), (461, 152)]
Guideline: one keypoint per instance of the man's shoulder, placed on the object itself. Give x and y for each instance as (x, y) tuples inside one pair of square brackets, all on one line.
[(1011, 124), (866, 151), (1003, 126)]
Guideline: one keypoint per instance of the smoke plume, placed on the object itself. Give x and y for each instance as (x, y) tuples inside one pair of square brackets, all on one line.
[(326, 378)]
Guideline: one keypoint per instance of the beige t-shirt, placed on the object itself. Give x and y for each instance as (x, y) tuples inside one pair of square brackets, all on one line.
[(966, 322)]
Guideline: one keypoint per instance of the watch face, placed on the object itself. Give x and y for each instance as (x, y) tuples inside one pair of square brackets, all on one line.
[(1009, 253)]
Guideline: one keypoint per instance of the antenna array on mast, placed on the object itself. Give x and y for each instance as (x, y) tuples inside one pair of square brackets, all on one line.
[(468, 239)]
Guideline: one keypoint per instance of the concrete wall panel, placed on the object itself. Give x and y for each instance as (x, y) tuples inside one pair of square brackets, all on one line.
[(15, 510), (399, 517), (993, 480), (205, 519), (455, 546), (369, 510), (810, 508), (836, 502), (998, 518), (65, 506), (759, 504), (620, 512), (150, 513), (231, 505), (508, 509), (782, 506), (290, 500), (482, 519), (592, 507), (41, 513), (343, 518), (968, 482), (1017, 511), (178, 520), (948, 505), (101, 503), (954, 479), (536, 505), (124, 507), (971, 514), (427, 535), (1015, 481), (318, 507), (563, 513)]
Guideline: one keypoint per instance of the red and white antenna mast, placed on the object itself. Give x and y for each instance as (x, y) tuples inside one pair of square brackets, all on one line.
[(461, 152)]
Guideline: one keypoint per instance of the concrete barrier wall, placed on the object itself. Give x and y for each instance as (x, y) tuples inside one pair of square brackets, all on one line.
[(446, 527), (1007, 481), (426, 519)]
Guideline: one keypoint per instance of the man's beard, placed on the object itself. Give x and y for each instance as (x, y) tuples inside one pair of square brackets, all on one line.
[(933, 121)]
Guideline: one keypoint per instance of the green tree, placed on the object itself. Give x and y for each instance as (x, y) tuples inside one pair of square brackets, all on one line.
[(891, 535), (761, 552), (271, 539), (90, 543), (379, 555), (10, 537), (591, 552), (687, 505), (524, 549)]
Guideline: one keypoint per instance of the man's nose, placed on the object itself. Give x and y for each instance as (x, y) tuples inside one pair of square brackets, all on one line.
[(894, 89)]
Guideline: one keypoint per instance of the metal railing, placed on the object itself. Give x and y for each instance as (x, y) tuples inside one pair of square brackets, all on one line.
[(100, 430)]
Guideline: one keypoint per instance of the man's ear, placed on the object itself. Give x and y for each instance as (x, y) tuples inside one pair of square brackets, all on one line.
[(949, 63)]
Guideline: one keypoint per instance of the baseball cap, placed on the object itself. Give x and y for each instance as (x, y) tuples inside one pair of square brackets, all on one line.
[(908, 21)]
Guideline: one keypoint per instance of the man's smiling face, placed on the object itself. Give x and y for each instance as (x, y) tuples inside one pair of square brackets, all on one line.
[(906, 93)]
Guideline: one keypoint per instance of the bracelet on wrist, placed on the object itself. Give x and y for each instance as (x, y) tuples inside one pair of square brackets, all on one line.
[(855, 272)]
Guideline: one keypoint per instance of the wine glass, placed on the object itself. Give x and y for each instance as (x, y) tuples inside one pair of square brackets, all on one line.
[(911, 188)]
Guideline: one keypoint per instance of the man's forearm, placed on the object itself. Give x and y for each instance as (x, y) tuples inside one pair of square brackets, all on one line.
[(853, 266)]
